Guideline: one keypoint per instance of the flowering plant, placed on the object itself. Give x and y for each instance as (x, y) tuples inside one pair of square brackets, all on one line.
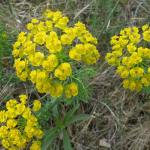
[(130, 55), (46, 54), (49, 53), (19, 126)]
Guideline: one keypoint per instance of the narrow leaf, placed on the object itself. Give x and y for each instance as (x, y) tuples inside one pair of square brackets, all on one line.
[(66, 141), (81, 117), (70, 114), (49, 138)]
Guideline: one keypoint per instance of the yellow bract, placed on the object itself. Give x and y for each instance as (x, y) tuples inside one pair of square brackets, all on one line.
[(36, 145), (63, 71), (19, 125), (36, 105), (44, 54), (131, 57), (50, 63), (71, 90)]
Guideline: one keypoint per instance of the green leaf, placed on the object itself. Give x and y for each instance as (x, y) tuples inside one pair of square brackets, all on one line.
[(81, 117), (82, 77), (46, 113), (48, 138), (70, 113), (59, 123), (66, 141)]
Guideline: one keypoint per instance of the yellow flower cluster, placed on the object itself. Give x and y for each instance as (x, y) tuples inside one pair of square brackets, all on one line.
[(131, 56), (43, 54), (19, 125)]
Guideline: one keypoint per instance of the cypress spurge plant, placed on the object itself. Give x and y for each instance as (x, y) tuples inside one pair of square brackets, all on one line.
[(50, 52), (57, 59), (131, 57), (19, 125)]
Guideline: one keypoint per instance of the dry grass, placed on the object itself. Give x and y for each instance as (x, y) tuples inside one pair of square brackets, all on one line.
[(120, 118)]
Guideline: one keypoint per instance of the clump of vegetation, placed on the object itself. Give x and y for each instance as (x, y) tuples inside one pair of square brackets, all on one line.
[(53, 56), (7, 75), (6, 40), (20, 125), (130, 54), (50, 53)]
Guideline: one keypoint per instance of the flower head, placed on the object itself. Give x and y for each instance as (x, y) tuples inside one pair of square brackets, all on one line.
[(19, 125), (45, 53), (131, 57)]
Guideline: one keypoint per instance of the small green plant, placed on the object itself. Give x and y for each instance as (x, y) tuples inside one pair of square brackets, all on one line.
[(62, 120), (6, 40)]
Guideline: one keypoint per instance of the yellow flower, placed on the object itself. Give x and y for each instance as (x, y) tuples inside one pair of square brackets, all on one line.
[(34, 20), (132, 85), (145, 81), (146, 35), (21, 37), (136, 72), (124, 74), (29, 130), (62, 23), (41, 28), (38, 133), (23, 75), (3, 132), (11, 123), (56, 89), (130, 57), (30, 26), (32, 121), (85, 52), (21, 125), (3, 116), (44, 53), (36, 105), (80, 28), (88, 38), (23, 98), (63, 71), (27, 113), (56, 16), (33, 75), (73, 54), (126, 83), (65, 40), (92, 55), (40, 38), (5, 143), (20, 65), (11, 113), (71, 90), (49, 25), (36, 145), (36, 59), (53, 44), (20, 108), (131, 48), (41, 76), (50, 63), (11, 103)]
